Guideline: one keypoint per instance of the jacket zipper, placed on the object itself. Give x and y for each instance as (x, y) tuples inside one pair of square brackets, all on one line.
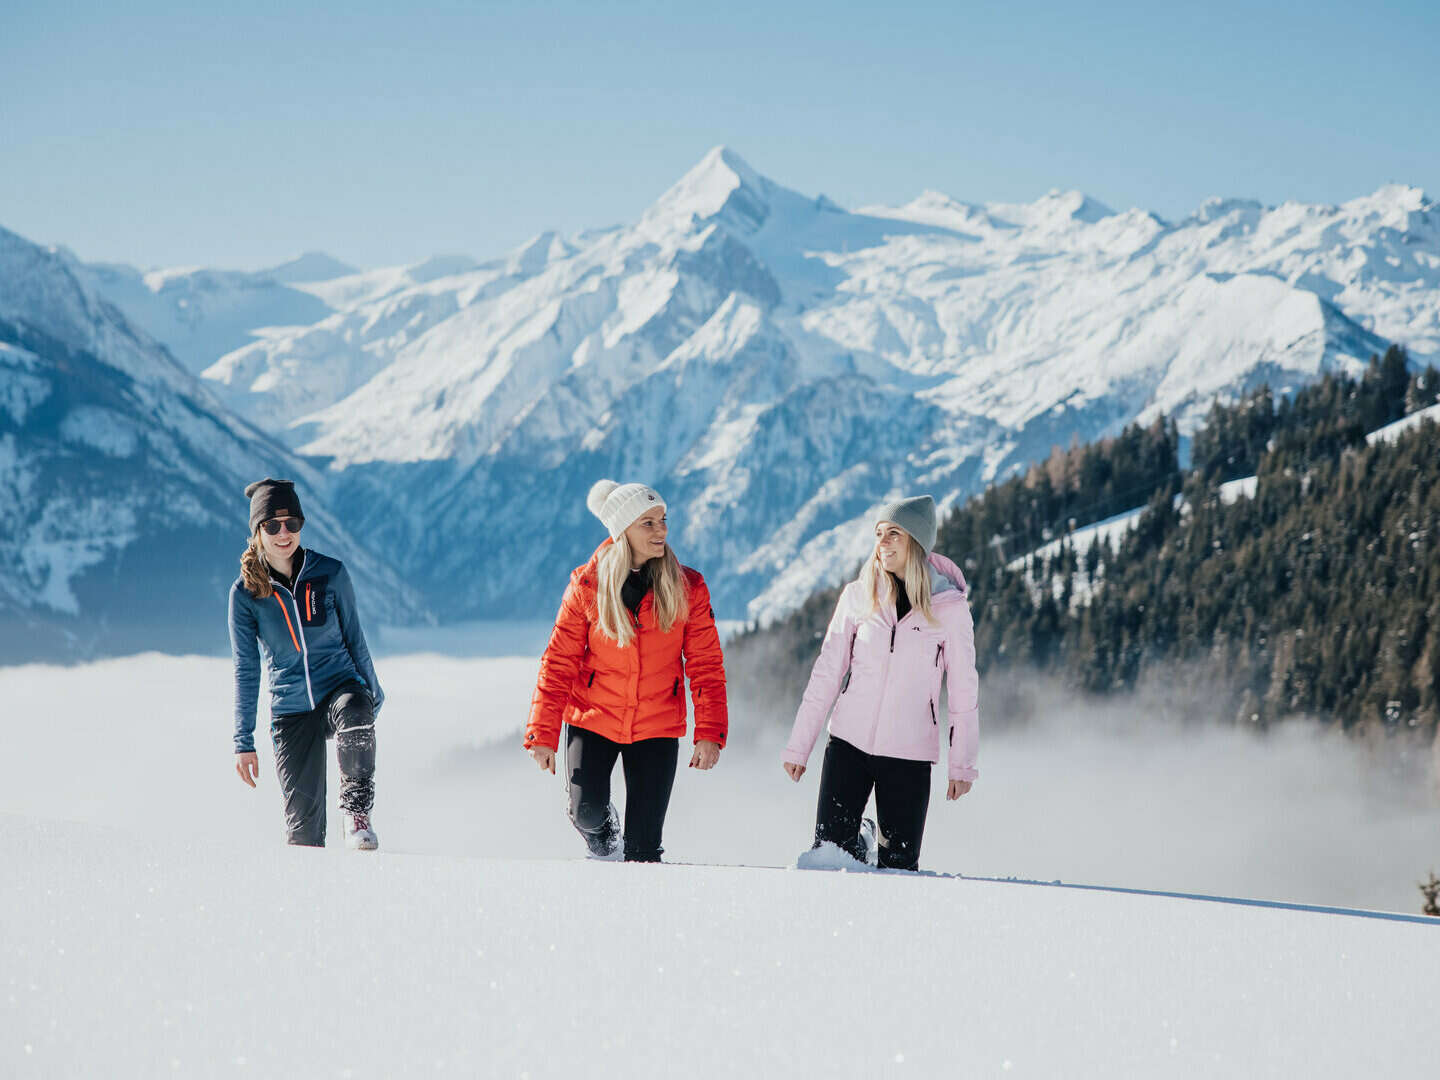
[(676, 691), (850, 667), (885, 678), (932, 713), (938, 650), (304, 649)]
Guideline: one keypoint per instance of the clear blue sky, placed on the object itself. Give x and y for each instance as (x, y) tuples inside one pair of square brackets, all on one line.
[(164, 134)]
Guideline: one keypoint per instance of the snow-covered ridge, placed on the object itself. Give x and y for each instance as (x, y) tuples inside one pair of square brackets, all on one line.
[(1113, 530), (779, 366), (122, 477)]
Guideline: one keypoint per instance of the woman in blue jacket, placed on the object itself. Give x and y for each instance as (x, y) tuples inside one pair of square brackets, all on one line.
[(295, 609)]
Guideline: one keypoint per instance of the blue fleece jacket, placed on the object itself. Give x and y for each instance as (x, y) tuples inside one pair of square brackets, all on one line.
[(309, 637)]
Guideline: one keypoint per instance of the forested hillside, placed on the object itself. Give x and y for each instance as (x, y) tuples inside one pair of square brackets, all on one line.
[(1312, 590)]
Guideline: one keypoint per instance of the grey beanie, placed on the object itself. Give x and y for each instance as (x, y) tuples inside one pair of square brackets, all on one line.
[(268, 497), (619, 505), (916, 515)]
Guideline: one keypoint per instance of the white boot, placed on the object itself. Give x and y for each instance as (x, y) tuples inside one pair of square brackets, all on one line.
[(359, 836)]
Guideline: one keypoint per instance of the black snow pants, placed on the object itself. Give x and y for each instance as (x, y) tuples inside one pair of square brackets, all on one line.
[(902, 797), (347, 714), (649, 778)]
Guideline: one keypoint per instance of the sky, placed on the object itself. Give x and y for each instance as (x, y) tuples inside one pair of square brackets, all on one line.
[(164, 134)]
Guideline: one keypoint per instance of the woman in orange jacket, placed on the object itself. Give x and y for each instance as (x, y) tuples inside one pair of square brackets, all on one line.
[(633, 623)]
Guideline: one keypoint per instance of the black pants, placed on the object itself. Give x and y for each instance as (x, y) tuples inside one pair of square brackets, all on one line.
[(902, 796), (649, 778), (348, 715)]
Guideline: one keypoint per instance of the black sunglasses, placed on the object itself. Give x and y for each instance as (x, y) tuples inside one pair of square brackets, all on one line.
[(290, 525)]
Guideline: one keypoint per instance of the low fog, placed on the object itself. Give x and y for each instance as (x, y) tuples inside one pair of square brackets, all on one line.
[(1133, 793)]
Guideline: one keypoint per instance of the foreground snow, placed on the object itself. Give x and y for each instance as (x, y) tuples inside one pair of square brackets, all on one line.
[(126, 956), (151, 922)]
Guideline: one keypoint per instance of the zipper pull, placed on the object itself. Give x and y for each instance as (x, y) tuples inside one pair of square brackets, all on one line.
[(892, 639)]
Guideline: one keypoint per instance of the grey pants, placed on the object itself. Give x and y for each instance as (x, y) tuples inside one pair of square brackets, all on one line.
[(348, 716)]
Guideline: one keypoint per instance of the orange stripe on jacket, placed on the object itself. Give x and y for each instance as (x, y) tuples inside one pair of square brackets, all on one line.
[(286, 612)]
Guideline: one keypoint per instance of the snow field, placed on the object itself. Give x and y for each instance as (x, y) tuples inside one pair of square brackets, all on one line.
[(155, 924), (1113, 795), (143, 956)]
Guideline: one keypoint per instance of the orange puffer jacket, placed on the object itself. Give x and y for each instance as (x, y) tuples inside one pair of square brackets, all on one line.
[(631, 693)]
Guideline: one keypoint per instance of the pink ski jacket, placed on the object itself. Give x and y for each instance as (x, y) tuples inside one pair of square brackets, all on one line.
[(883, 679)]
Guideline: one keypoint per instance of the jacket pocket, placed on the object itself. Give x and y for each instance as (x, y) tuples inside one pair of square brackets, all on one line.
[(310, 597)]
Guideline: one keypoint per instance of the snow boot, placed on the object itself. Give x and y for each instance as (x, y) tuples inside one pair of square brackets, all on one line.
[(359, 836), (869, 844), (604, 843)]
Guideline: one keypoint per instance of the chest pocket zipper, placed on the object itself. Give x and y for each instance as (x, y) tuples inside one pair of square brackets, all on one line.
[(932, 714), (850, 667), (939, 649)]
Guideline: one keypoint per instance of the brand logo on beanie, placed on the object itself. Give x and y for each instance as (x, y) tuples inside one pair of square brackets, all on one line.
[(650, 497)]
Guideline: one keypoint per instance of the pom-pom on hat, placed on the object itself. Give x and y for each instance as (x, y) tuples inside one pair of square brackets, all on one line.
[(268, 497), (619, 505), (915, 515)]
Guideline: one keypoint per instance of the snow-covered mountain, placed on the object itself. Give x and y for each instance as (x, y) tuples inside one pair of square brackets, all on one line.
[(201, 314), (778, 365), (122, 479)]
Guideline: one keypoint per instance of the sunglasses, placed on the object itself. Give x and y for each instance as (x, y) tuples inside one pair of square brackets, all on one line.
[(291, 525)]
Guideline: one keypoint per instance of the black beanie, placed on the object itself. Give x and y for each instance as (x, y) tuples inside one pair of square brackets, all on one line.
[(268, 497)]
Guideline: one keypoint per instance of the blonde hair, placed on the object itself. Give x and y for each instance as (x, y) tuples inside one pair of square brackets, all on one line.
[(254, 570), (672, 602), (874, 578)]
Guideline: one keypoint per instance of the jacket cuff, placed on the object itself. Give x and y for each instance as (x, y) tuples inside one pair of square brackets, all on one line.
[(794, 757), (963, 773), (534, 739)]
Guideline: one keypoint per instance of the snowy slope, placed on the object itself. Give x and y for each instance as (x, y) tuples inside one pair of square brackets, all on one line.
[(157, 924), (1391, 432), (205, 961), (122, 479), (778, 365)]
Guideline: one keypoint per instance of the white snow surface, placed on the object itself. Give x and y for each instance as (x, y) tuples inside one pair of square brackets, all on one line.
[(1232, 491), (154, 923), (740, 328), (1390, 432)]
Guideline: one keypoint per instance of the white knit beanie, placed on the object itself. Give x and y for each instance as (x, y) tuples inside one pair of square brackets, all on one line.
[(619, 505)]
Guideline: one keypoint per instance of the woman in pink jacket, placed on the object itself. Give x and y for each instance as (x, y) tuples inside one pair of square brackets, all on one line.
[(897, 631)]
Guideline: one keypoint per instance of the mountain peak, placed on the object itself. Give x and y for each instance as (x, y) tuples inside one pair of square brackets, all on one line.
[(720, 183), (1075, 205), (310, 267)]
